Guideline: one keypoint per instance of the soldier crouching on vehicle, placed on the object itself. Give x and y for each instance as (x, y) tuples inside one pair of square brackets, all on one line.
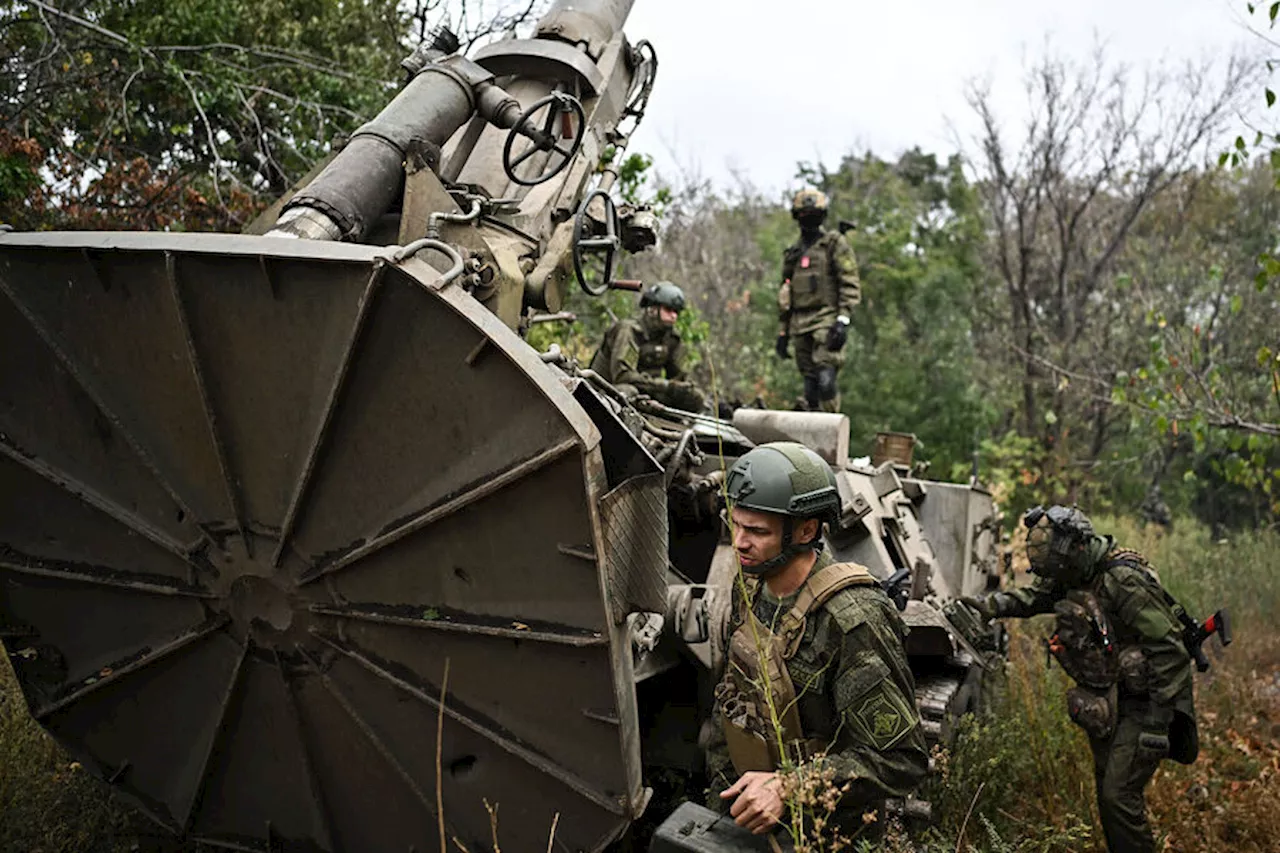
[(1118, 637), (647, 354), (839, 687)]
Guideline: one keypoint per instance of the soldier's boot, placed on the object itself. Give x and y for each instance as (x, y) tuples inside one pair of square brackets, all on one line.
[(828, 395)]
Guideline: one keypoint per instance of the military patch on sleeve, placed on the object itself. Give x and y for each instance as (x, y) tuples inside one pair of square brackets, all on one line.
[(884, 717)]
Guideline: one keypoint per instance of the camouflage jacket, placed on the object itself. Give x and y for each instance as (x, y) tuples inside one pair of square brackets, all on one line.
[(636, 354), (1133, 600), (820, 282), (855, 692)]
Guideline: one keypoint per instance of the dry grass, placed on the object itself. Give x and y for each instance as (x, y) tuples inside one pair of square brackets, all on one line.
[(47, 803)]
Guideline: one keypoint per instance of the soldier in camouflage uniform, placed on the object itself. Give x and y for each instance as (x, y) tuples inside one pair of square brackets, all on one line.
[(1154, 510), (647, 354), (831, 642), (1118, 636), (819, 291)]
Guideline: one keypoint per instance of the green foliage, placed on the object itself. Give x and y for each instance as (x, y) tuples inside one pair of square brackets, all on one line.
[(1007, 466), (694, 331), (153, 112), (18, 176), (633, 185), (1204, 383)]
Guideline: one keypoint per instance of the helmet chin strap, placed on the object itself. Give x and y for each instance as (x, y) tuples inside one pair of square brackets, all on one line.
[(789, 550)]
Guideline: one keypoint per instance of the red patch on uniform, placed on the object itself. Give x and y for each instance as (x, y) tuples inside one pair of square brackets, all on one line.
[(804, 262)]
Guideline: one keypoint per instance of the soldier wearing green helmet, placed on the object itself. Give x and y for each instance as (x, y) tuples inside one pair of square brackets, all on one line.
[(819, 291), (815, 673), (1118, 636), (646, 355)]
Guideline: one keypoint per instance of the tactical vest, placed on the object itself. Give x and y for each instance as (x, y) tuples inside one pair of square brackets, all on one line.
[(1135, 560), (1082, 641), (756, 724), (814, 284), (1104, 666), (654, 354), (1083, 644)]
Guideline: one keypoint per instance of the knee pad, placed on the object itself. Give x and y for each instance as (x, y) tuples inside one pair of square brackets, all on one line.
[(826, 382)]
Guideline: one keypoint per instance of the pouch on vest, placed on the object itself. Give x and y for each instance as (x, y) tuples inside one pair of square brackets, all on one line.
[(1135, 672), (750, 677), (1082, 642), (748, 750), (1095, 711)]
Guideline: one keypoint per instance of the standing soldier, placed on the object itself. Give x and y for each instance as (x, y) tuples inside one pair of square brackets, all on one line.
[(819, 291), (816, 672), (1118, 637), (647, 354)]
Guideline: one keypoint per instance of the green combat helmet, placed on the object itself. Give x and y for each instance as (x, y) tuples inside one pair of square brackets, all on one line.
[(808, 200), (788, 479), (1057, 542), (664, 294)]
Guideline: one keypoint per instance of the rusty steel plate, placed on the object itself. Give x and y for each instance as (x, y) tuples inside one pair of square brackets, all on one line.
[(257, 498)]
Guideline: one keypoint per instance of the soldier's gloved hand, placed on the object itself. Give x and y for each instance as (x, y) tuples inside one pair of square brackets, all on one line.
[(838, 334), (984, 607), (780, 346)]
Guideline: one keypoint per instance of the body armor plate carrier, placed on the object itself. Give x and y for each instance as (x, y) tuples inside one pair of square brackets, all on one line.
[(756, 722)]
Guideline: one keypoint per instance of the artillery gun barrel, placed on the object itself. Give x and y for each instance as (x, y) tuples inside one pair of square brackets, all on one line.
[(365, 178), (601, 19)]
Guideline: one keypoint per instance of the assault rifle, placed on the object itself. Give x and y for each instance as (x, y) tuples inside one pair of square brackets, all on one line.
[(1195, 633)]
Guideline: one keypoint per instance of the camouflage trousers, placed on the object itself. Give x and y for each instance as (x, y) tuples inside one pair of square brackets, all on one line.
[(1122, 770), (819, 366)]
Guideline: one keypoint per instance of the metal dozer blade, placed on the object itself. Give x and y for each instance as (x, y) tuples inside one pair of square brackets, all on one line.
[(297, 546)]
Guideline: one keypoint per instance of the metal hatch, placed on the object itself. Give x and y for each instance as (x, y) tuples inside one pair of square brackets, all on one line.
[(254, 494)]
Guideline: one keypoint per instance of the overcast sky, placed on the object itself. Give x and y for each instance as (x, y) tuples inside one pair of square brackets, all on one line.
[(757, 86)]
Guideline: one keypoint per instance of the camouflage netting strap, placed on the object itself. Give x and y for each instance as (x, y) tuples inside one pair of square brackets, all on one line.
[(817, 591), (1130, 557)]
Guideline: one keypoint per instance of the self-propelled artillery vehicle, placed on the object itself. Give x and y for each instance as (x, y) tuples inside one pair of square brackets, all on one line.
[(302, 547)]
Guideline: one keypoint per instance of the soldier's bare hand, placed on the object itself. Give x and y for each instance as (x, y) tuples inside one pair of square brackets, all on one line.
[(757, 801)]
